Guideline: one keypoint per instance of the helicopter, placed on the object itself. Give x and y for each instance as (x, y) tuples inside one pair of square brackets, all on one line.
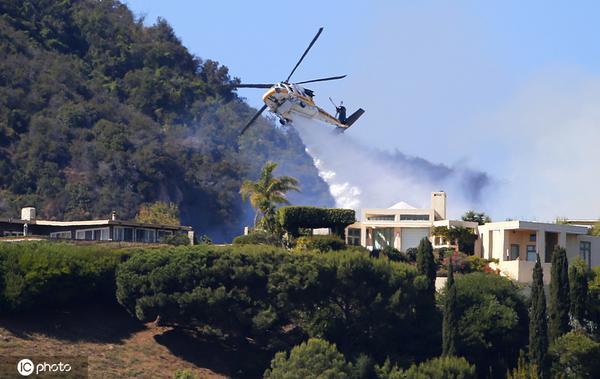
[(286, 99)]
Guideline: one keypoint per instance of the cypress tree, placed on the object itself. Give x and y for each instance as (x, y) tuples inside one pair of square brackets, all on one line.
[(426, 265), (578, 282), (558, 308), (450, 321), (538, 327)]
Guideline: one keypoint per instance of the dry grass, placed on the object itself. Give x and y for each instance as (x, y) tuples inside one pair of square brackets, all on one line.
[(116, 345)]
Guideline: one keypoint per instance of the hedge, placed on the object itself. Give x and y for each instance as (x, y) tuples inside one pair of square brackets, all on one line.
[(277, 299), (42, 275), (292, 218), (320, 243)]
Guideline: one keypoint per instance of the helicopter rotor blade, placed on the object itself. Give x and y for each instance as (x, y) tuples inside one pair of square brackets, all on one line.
[(305, 52), (323, 79), (254, 85), (261, 110)]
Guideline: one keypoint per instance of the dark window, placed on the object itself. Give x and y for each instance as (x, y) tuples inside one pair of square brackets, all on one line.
[(414, 217), (533, 237), (381, 218)]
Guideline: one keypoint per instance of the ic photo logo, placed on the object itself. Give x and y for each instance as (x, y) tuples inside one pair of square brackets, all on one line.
[(26, 367)]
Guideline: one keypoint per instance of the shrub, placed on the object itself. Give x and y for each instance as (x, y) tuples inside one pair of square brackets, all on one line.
[(315, 358), (257, 238), (320, 243), (38, 275), (441, 367), (393, 254), (239, 292), (292, 218), (575, 355), (411, 254), (184, 374), (177, 239)]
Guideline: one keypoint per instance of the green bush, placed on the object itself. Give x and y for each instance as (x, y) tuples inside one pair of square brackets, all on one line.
[(292, 218), (313, 359), (39, 275), (440, 367), (575, 355), (257, 238), (362, 305), (320, 243), (393, 254)]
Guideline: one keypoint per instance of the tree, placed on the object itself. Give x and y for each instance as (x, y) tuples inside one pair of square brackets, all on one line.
[(478, 217), (426, 266), (578, 283), (558, 309), (492, 321), (266, 193), (159, 212), (450, 321), (315, 358), (538, 327), (575, 355)]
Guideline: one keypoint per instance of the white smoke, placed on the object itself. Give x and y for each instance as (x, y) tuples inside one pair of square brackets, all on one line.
[(361, 176)]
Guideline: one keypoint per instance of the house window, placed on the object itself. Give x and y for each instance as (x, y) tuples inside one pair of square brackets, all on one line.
[(531, 253), (414, 217), (62, 235), (145, 235), (585, 252), (532, 237), (161, 234), (514, 252), (13, 234), (353, 236), (381, 218), (92, 234), (123, 234)]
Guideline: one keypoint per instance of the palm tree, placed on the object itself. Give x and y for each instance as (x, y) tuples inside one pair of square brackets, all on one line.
[(266, 193)]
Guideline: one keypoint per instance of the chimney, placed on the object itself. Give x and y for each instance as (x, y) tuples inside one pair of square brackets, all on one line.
[(28, 214), (438, 204), (113, 216)]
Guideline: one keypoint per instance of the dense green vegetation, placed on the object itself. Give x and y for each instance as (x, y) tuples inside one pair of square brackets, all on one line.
[(36, 275), (276, 298), (492, 321), (99, 112), (372, 315)]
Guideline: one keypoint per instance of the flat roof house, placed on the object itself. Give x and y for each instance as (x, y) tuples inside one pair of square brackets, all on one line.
[(402, 226), (516, 243), (111, 229)]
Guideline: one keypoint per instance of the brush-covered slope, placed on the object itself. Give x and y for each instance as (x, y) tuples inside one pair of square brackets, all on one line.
[(99, 112)]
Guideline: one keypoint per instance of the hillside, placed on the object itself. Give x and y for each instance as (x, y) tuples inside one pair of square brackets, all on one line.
[(111, 340), (99, 112)]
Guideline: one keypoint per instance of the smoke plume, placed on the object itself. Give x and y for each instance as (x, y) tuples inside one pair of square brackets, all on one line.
[(361, 176)]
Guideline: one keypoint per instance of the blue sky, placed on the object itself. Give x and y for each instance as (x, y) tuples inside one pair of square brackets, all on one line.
[(446, 81)]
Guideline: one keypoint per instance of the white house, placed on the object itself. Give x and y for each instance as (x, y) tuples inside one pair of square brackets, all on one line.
[(515, 245), (402, 226)]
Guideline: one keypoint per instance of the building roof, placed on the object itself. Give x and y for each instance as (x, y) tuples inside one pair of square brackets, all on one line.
[(402, 205)]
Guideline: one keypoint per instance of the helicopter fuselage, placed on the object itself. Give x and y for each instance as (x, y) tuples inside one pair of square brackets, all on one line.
[(287, 100)]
